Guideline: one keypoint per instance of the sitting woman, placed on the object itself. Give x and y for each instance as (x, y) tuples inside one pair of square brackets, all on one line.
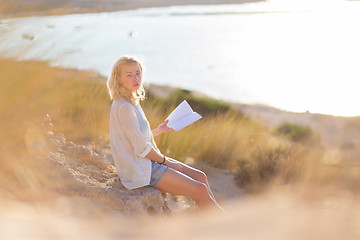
[(138, 160)]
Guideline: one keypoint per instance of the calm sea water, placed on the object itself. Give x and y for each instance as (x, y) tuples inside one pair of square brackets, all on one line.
[(293, 55)]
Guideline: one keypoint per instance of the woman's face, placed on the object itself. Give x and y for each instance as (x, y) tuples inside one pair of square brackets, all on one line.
[(130, 76)]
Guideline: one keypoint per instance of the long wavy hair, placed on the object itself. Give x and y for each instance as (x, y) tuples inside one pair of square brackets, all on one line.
[(117, 90)]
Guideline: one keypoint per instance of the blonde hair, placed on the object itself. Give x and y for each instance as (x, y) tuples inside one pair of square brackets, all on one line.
[(116, 89)]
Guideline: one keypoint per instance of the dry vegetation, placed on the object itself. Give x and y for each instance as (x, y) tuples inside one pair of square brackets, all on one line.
[(289, 158), (29, 91), (78, 103)]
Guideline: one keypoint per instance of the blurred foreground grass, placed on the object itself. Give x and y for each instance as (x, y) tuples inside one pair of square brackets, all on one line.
[(78, 104)]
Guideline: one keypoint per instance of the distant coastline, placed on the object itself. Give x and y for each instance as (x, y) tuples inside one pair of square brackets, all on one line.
[(336, 132), (26, 8)]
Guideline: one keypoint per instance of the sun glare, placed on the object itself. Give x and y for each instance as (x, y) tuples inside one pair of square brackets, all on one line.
[(306, 5), (305, 50)]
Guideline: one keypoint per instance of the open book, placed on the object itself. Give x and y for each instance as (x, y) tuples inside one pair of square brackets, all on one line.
[(182, 116)]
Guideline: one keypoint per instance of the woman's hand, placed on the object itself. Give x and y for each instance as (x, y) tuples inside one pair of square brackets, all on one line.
[(171, 163), (162, 128)]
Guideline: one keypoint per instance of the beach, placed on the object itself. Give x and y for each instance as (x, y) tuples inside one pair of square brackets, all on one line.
[(254, 57), (84, 199)]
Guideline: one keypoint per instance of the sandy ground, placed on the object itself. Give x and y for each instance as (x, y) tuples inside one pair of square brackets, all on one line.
[(273, 216), (222, 185), (340, 135)]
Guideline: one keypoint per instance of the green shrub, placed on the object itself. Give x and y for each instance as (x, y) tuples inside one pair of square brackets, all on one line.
[(294, 132), (204, 106)]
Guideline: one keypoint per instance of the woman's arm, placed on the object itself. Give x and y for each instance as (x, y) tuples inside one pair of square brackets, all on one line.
[(159, 158), (126, 117), (162, 128)]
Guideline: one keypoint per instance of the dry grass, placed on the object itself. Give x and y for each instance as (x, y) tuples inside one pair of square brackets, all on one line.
[(78, 104), (30, 90), (20, 8)]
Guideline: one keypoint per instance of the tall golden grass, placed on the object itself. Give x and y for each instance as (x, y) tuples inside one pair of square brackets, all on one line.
[(21, 8), (78, 103)]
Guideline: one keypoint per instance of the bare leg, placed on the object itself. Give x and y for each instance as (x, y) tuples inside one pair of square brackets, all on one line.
[(177, 183), (197, 175)]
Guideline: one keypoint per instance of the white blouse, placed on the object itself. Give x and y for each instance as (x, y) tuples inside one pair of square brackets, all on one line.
[(131, 139)]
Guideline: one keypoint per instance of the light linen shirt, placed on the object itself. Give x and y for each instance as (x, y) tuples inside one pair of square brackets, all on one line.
[(131, 139)]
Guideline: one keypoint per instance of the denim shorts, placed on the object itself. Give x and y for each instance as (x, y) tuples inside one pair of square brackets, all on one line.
[(157, 172)]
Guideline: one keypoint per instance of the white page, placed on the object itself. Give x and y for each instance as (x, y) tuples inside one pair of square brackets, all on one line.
[(179, 112), (182, 116), (189, 119)]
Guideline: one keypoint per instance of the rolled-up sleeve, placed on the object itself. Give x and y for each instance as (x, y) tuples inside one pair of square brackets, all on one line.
[(130, 126)]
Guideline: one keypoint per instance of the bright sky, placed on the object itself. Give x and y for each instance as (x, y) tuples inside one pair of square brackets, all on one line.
[(320, 61)]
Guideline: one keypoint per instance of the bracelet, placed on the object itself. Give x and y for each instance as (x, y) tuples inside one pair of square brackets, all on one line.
[(164, 160)]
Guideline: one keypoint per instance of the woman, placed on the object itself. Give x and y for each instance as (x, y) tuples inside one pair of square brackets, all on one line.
[(138, 160)]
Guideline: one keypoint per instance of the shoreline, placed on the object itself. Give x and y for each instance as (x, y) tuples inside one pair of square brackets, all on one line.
[(337, 132), (23, 8), (250, 93)]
